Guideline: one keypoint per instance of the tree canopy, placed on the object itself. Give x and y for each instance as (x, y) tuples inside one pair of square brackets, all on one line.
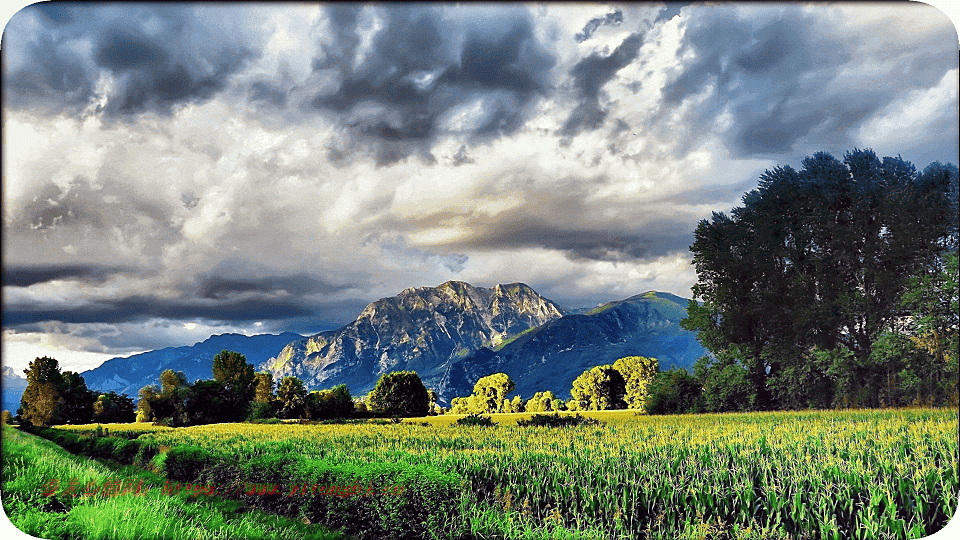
[(400, 393), (811, 269)]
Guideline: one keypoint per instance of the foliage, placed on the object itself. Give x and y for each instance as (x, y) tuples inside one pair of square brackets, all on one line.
[(29, 462), (113, 407), (42, 402), (599, 388), (815, 259), (475, 420), (231, 370), (556, 420), (291, 398), (263, 392), (491, 391), (673, 392), (637, 373), (543, 402), (400, 393), (327, 404), (78, 400)]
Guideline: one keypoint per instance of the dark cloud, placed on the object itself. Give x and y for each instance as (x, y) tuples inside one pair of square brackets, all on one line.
[(418, 69), (216, 287), (589, 75), (154, 70), (613, 244), (612, 18), (780, 80), (25, 276), (141, 308)]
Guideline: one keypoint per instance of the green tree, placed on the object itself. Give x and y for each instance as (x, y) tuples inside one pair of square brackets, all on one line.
[(673, 392), (542, 402), (77, 400), (491, 391), (638, 372), (933, 302), (598, 389), (231, 370), (814, 259), (42, 402), (291, 398), (112, 407), (264, 387), (333, 403), (400, 393)]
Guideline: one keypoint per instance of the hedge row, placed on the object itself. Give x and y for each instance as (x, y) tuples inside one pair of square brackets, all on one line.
[(122, 450), (372, 500)]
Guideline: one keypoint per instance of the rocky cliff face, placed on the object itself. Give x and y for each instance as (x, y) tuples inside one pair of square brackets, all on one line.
[(422, 329)]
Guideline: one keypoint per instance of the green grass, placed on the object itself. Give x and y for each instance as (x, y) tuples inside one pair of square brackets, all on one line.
[(30, 462), (821, 474)]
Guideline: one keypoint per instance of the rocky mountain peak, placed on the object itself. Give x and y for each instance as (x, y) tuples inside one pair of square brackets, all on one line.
[(422, 328)]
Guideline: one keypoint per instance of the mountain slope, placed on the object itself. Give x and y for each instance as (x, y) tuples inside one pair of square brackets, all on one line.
[(422, 329), (553, 355), (128, 375)]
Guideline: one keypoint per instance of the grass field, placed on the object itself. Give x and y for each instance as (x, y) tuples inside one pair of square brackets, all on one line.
[(832, 474), (93, 512)]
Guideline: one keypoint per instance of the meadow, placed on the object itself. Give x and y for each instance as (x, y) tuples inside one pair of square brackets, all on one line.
[(823, 474)]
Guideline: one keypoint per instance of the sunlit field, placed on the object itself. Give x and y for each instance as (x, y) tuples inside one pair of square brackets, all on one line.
[(850, 474)]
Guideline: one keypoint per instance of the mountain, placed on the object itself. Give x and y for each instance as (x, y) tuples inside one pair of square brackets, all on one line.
[(128, 375), (422, 329), (552, 356), (13, 386)]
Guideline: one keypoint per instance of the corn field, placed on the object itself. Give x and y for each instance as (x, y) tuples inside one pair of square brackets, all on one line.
[(831, 474)]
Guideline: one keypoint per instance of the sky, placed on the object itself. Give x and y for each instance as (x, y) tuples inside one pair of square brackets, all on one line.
[(174, 171)]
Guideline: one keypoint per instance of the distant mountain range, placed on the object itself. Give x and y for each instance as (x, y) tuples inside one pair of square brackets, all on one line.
[(13, 386), (128, 375), (451, 335)]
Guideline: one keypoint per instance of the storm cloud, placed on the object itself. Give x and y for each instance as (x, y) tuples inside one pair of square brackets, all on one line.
[(177, 170)]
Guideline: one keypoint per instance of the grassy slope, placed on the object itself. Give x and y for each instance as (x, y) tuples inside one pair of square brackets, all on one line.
[(29, 462)]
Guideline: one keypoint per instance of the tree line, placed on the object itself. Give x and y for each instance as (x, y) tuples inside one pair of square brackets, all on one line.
[(831, 286), (55, 397)]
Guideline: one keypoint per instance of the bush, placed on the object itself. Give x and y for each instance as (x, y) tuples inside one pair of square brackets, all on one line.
[(475, 420), (186, 463), (555, 420)]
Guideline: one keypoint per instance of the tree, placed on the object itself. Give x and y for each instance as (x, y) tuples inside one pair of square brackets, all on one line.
[(637, 373), (400, 393), (42, 402), (327, 404), (814, 259), (491, 391), (231, 370), (673, 392), (77, 400), (167, 404), (263, 392), (112, 408), (542, 402), (598, 389), (291, 398), (933, 301)]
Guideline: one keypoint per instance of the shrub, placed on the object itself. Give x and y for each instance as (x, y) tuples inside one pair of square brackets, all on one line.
[(185, 463), (475, 420), (555, 420)]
